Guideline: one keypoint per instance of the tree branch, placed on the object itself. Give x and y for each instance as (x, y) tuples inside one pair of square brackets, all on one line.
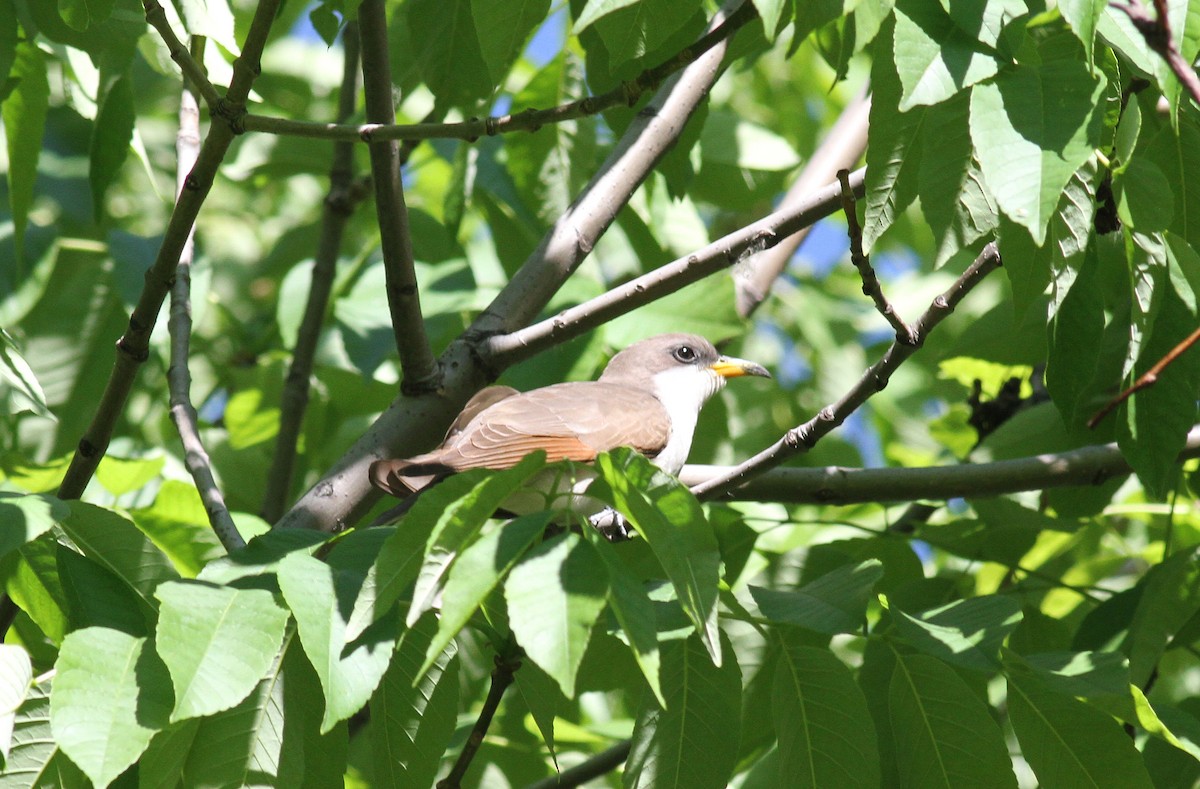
[(502, 677), (803, 437), (842, 149), (528, 120), (133, 348), (193, 71), (420, 370), (412, 423), (1159, 37), (344, 195), (870, 282), (1092, 465), (604, 762), (726, 252), (1146, 380), (179, 376)]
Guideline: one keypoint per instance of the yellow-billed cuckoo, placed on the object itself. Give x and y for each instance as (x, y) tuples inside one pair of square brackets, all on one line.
[(648, 398)]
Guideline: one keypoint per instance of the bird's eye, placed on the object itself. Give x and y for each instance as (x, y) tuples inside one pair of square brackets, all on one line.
[(685, 354)]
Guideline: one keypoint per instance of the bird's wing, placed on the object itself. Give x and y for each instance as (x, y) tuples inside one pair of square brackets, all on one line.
[(571, 421)]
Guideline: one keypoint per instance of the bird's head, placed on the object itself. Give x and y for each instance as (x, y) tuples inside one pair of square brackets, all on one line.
[(681, 369)]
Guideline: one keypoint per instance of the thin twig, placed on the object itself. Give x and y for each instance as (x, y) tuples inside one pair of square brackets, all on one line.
[(870, 282), (627, 93), (803, 437), (420, 369), (193, 70), (604, 762), (731, 250), (179, 376), (345, 494), (1146, 380), (1159, 37), (340, 203), (1092, 465), (842, 148), (502, 677), (133, 348)]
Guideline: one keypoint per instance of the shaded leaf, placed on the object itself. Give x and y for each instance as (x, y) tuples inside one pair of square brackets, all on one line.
[(555, 596)]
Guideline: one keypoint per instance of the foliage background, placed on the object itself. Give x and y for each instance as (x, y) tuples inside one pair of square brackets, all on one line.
[(1045, 637)]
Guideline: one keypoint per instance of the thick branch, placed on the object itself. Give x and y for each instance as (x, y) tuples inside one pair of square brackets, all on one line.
[(339, 205), (842, 149), (413, 423), (404, 299), (803, 437), (133, 347), (528, 120), (723, 253), (1092, 465)]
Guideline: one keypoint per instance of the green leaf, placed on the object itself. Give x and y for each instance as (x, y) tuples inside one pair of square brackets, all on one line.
[(36, 760), (894, 158), (1032, 129), (16, 678), (110, 695), (217, 643), (414, 710), (668, 516), (18, 384), (1158, 418), (478, 570), (444, 40), (733, 140), (834, 603), (1068, 743), (550, 168), (596, 9), (637, 30), (506, 26), (456, 525), (1170, 598), (24, 114), (635, 613), (935, 58), (111, 135), (322, 600), (123, 475), (1144, 198), (1177, 154), (945, 736), (825, 733), (954, 198), (555, 596), (113, 542), (262, 740), (1083, 16), (35, 586), (1080, 370), (965, 633), (25, 518), (176, 521), (95, 596), (249, 421), (693, 742)]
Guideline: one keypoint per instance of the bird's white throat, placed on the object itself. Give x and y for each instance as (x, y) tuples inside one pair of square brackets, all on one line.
[(682, 391)]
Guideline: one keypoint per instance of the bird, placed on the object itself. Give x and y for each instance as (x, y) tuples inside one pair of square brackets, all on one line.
[(648, 398)]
